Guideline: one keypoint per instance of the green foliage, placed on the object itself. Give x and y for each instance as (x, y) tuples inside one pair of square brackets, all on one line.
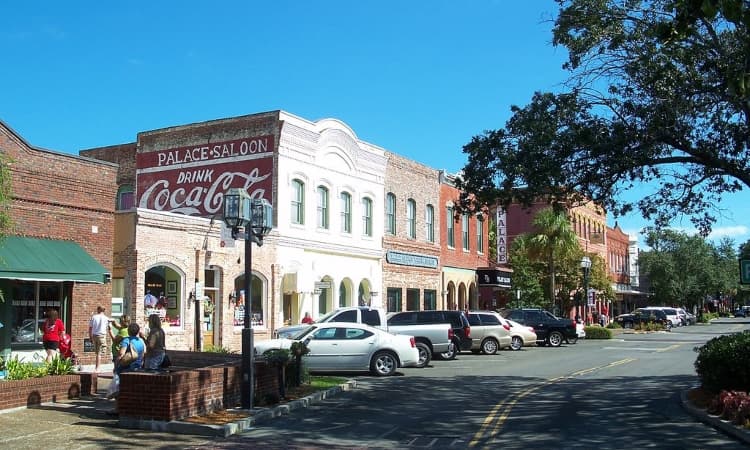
[(685, 269), (595, 332), (59, 366), (657, 95), (326, 382), (2, 363), (648, 326), (277, 356), (707, 317), (614, 326), (298, 348), (217, 349), (18, 370), (724, 363)]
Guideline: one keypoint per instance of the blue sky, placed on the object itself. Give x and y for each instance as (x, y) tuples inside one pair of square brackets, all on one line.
[(418, 78)]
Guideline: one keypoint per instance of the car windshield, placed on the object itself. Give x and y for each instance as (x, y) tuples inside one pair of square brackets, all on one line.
[(302, 333), (326, 317)]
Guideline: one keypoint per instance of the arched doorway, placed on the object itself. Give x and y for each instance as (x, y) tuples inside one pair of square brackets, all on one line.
[(451, 296), (325, 296), (345, 293), (462, 304)]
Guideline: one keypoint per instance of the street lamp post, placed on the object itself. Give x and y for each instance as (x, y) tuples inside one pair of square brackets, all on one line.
[(585, 265), (256, 217)]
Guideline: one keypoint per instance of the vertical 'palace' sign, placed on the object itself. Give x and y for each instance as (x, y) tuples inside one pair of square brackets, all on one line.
[(192, 180)]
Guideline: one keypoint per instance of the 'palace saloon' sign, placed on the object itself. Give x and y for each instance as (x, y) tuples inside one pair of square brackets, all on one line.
[(491, 277)]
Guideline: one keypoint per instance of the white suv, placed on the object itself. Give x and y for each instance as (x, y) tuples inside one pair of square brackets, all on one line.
[(672, 314)]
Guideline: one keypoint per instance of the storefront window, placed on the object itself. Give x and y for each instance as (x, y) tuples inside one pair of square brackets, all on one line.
[(255, 302), (430, 299), (30, 301), (163, 295), (412, 299), (394, 299)]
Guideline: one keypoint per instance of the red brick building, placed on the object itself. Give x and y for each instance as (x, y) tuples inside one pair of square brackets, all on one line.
[(464, 244), (58, 252)]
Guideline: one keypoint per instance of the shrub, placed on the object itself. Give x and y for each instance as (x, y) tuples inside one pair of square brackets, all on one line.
[(614, 326), (648, 326), (723, 363), (60, 366), (215, 349), (277, 356), (593, 332)]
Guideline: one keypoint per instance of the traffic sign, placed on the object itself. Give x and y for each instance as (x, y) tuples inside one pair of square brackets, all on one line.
[(744, 271)]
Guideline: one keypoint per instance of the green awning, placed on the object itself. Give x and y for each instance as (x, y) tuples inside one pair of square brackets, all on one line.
[(23, 258)]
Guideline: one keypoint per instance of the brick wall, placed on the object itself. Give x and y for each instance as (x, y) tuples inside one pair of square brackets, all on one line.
[(65, 197), (189, 392), (35, 391)]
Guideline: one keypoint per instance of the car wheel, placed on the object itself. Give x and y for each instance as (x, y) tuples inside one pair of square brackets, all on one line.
[(425, 355), (668, 326), (489, 346), (555, 339), (516, 343), (383, 364), (451, 353)]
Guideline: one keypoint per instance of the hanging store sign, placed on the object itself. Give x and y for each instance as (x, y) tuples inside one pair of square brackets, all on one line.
[(502, 237)]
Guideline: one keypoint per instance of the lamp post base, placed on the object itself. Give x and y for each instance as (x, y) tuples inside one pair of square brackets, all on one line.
[(248, 381)]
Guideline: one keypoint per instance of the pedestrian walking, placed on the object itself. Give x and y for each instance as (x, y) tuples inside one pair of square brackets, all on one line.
[(52, 331), (98, 330)]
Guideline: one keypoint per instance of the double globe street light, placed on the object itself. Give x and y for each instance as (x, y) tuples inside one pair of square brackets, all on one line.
[(256, 217)]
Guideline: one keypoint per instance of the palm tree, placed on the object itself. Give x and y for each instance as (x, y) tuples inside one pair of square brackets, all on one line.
[(552, 240)]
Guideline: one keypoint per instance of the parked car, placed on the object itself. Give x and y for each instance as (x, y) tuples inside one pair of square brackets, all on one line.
[(374, 317), (520, 335), (550, 330), (685, 317), (742, 311), (672, 315), (350, 347), (489, 332), (458, 320), (644, 315)]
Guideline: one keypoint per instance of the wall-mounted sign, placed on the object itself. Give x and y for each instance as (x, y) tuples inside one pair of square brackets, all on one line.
[(411, 259), (493, 277), (502, 237), (192, 180)]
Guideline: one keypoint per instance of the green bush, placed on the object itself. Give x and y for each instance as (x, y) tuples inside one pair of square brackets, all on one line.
[(708, 316), (648, 326), (60, 366), (215, 349), (595, 332), (277, 356), (724, 363), (614, 326)]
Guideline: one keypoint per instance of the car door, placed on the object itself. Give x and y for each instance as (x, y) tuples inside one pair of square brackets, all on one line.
[(493, 326), (535, 320), (478, 331), (356, 346), (324, 349)]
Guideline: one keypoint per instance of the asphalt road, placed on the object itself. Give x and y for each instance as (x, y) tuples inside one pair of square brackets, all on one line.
[(621, 393)]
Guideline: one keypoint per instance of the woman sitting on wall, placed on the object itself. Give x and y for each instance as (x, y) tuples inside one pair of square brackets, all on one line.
[(155, 343)]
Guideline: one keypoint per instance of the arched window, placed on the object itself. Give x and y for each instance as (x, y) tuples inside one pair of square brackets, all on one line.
[(390, 213), (346, 212), (323, 207), (450, 230), (298, 202), (465, 231), (367, 217), (429, 220), (125, 197), (411, 218)]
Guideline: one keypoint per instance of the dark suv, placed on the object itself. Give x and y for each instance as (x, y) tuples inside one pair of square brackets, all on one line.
[(458, 320), (643, 316), (550, 330)]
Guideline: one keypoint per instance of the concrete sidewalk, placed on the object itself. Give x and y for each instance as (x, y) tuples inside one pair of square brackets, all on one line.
[(88, 423)]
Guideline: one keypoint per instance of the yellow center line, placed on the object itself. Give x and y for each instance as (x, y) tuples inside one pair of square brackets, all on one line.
[(666, 349), (502, 410)]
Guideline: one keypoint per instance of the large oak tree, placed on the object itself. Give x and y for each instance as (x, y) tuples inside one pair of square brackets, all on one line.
[(658, 95)]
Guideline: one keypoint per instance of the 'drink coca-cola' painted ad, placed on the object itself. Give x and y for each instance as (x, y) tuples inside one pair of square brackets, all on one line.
[(192, 180)]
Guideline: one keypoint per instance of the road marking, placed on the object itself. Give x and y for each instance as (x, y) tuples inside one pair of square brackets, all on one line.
[(666, 349), (502, 410)]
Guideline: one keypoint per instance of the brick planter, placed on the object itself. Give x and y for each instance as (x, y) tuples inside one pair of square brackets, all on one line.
[(35, 391), (187, 390)]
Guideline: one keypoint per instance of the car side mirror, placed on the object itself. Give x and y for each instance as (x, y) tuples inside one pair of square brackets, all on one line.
[(307, 341)]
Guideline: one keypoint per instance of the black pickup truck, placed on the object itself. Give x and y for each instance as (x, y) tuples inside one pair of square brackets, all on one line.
[(550, 330)]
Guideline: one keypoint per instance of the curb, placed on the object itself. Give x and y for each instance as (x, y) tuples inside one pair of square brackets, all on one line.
[(259, 415), (720, 424)]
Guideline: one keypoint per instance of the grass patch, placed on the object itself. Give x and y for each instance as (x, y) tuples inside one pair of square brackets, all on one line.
[(326, 382)]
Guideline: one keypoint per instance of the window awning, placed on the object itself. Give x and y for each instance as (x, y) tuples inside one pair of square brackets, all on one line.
[(23, 258)]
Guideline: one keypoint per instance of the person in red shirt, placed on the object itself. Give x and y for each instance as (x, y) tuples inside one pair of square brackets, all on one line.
[(307, 319), (53, 330)]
